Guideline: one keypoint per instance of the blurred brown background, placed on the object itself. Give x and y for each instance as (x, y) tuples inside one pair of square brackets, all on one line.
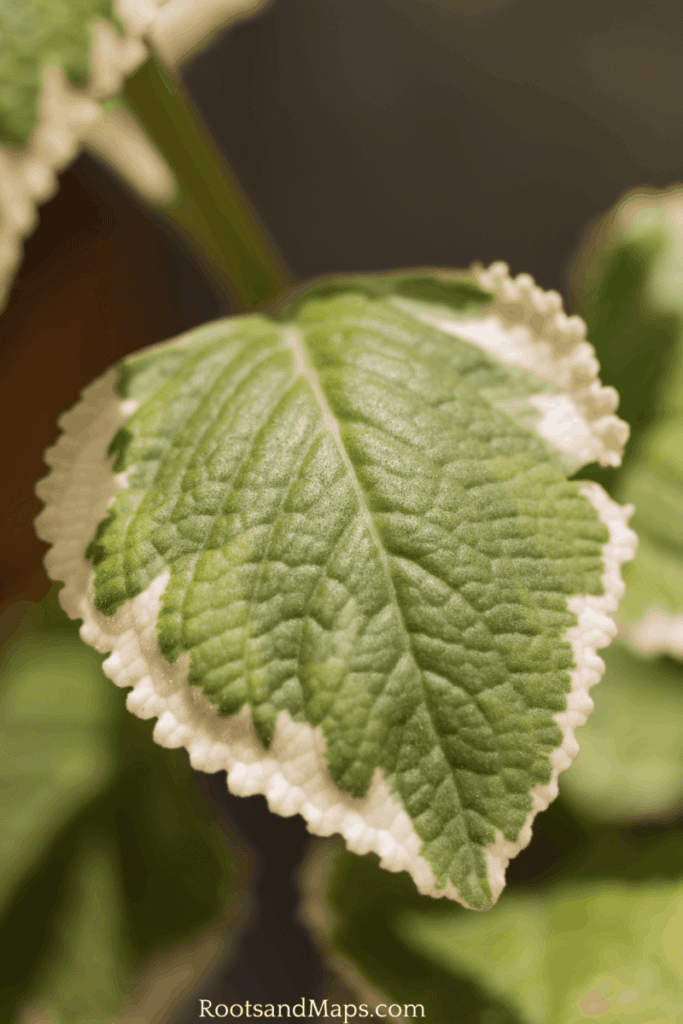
[(370, 134)]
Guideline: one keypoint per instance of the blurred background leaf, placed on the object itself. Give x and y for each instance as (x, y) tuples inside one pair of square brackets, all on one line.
[(652, 608), (353, 907), (109, 851), (567, 949), (628, 286), (608, 950), (57, 740), (630, 762), (628, 282)]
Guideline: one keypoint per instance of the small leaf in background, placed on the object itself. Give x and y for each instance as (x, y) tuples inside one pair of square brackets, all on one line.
[(62, 62), (627, 286), (58, 60), (630, 762), (347, 526), (109, 854), (628, 281)]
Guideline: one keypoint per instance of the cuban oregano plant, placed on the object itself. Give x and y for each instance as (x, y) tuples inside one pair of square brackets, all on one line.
[(334, 549)]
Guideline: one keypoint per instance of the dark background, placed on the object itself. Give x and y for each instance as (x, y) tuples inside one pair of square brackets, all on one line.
[(370, 134)]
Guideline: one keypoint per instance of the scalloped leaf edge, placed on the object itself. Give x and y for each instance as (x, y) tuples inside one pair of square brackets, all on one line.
[(526, 328), (292, 774)]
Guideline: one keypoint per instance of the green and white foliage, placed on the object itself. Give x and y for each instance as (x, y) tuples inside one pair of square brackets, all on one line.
[(630, 275), (337, 554), (178, 30), (59, 60)]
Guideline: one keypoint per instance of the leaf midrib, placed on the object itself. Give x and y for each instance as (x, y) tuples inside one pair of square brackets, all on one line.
[(293, 340)]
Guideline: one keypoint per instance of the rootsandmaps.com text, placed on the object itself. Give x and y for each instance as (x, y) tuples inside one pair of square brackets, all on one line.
[(345, 1012)]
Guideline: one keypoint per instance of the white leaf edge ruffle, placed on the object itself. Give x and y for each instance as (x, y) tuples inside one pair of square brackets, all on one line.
[(72, 118), (526, 328), (292, 774)]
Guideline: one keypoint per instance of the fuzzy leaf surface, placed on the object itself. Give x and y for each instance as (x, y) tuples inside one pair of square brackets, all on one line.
[(363, 530)]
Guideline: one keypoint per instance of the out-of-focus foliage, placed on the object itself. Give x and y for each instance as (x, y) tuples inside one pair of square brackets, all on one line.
[(630, 762), (629, 284), (603, 949), (57, 724), (108, 853), (652, 608), (353, 908), (589, 945)]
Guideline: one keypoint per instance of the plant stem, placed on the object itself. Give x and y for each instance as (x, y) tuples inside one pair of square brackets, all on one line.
[(208, 207)]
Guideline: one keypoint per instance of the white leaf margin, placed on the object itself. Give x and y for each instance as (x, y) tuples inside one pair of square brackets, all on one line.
[(526, 328), (293, 773), (73, 118)]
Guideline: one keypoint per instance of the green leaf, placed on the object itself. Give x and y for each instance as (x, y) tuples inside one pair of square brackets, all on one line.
[(86, 977), (607, 950), (36, 34), (103, 866), (609, 923), (59, 59), (630, 766), (350, 530), (56, 743)]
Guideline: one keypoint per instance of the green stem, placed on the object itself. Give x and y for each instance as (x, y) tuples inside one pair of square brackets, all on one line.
[(208, 207)]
